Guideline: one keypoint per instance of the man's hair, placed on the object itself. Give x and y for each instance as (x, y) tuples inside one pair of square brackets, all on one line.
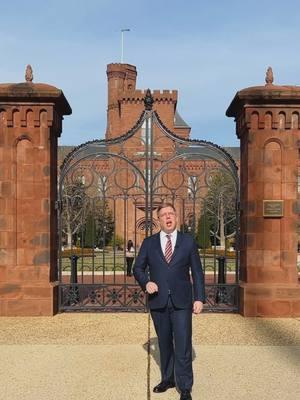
[(165, 204)]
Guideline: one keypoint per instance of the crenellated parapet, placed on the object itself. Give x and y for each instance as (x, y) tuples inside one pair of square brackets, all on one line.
[(120, 70), (159, 96)]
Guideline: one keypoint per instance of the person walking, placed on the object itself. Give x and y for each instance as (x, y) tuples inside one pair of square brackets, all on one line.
[(170, 256), (129, 256)]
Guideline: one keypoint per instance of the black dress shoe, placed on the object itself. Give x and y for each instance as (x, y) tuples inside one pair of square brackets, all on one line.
[(163, 386), (185, 395)]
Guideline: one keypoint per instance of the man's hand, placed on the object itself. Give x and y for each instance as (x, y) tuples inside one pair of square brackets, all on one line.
[(151, 287), (198, 307)]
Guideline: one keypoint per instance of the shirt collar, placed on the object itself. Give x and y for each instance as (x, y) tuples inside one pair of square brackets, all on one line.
[(164, 234)]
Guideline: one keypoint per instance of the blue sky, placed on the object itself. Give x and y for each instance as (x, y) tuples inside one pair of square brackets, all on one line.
[(208, 50)]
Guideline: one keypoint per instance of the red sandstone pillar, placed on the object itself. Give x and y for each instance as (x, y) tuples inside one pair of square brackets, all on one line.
[(268, 125), (30, 123)]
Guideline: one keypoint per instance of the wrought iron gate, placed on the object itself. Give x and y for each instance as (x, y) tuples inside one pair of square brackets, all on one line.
[(108, 193)]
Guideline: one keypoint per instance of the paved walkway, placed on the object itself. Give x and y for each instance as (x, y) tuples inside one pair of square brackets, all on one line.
[(115, 356)]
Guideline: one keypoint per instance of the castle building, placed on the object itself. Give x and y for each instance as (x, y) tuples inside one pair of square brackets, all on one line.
[(126, 103), (124, 188)]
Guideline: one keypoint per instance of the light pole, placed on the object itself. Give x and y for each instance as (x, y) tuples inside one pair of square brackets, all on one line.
[(122, 43)]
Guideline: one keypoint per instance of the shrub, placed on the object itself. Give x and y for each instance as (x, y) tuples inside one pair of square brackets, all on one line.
[(117, 241)]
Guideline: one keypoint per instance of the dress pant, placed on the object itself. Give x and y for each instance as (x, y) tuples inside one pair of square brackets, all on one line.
[(173, 327)]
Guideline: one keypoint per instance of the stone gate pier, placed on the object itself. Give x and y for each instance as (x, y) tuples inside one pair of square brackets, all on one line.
[(30, 122), (268, 126)]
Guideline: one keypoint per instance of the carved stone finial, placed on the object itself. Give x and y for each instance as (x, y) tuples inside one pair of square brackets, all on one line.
[(29, 74), (148, 101), (269, 76)]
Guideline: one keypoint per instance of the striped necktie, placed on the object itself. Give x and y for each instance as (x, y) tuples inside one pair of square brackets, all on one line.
[(168, 249)]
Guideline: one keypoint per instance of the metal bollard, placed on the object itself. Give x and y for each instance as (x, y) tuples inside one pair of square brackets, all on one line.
[(221, 291), (73, 278), (73, 293), (221, 269)]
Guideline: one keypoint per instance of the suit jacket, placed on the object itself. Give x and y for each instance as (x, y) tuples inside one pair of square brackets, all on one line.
[(173, 278)]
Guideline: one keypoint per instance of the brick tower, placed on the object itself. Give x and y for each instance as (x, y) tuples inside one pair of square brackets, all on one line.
[(125, 106), (30, 122), (268, 125), (126, 103)]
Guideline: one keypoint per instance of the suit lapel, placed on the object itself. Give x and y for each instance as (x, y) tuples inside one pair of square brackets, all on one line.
[(158, 247), (177, 246)]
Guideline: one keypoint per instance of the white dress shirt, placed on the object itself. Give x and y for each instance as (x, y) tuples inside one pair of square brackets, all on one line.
[(164, 239)]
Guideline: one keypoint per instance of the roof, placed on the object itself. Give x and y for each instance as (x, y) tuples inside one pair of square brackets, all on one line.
[(179, 121), (63, 151), (235, 152)]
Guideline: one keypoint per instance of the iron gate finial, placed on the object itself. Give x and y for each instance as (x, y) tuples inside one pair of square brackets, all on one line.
[(148, 101)]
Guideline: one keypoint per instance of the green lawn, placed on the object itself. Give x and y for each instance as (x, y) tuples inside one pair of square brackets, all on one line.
[(109, 261), (100, 261)]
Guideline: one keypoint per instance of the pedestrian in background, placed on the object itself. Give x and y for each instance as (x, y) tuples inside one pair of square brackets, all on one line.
[(130, 253)]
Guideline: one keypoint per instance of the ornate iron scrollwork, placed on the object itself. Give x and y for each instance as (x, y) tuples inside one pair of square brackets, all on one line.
[(109, 191)]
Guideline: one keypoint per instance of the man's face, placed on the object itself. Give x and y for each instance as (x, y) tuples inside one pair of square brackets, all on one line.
[(167, 219)]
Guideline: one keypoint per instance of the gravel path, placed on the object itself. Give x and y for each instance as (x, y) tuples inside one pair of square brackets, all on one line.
[(115, 356)]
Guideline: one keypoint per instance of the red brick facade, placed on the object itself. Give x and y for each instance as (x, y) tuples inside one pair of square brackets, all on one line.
[(125, 106), (126, 103)]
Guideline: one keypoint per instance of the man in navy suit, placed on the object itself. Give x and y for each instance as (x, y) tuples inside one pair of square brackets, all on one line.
[(170, 255)]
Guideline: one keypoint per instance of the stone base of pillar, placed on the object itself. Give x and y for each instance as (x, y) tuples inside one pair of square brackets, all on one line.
[(269, 300), (19, 301)]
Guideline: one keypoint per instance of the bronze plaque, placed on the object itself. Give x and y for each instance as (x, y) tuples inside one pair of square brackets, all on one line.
[(273, 208)]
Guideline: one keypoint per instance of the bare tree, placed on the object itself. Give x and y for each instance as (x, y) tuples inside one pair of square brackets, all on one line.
[(221, 206), (85, 215), (74, 210)]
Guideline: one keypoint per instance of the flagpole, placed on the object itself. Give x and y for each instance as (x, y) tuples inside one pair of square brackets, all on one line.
[(122, 43)]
